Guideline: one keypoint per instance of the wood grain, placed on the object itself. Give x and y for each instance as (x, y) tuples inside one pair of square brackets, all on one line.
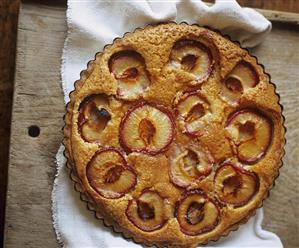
[(8, 27), (38, 101), (275, 15), (280, 16), (280, 5)]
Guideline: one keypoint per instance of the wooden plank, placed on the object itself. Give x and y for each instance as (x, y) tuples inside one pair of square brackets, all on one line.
[(276, 5), (38, 101), (275, 15), (280, 16), (8, 26)]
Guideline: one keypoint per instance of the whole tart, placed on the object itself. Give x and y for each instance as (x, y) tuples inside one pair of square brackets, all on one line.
[(174, 135)]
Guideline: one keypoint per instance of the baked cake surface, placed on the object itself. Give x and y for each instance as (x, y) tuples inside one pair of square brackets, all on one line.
[(174, 135)]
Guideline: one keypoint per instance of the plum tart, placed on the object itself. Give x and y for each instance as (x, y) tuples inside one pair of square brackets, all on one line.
[(174, 135)]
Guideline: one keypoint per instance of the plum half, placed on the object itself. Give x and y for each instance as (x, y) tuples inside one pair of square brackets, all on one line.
[(189, 165), (147, 211), (242, 77), (197, 213), (94, 116), (234, 185), (146, 128), (194, 110), (193, 57), (109, 174), (251, 132), (129, 70)]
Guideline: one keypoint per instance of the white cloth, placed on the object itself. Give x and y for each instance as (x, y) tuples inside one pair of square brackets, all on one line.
[(91, 25)]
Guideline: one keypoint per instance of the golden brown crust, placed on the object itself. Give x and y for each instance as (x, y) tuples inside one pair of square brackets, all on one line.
[(155, 47)]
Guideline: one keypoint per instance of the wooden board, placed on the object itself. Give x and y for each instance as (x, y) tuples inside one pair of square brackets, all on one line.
[(9, 10), (274, 15), (38, 101)]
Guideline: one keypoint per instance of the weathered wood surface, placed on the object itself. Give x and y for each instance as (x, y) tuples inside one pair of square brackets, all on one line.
[(280, 5), (8, 26), (275, 15), (38, 101), (276, 5)]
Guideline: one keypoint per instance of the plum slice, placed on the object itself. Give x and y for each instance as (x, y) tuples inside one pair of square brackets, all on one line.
[(129, 70), (147, 212), (234, 185), (189, 165), (193, 57), (242, 77), (109, 174), (146, 128), (197, 213), (194, 110), (94, 116), (251, 132)]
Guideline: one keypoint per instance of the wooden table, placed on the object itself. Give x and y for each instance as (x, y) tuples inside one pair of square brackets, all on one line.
[(38, 104)]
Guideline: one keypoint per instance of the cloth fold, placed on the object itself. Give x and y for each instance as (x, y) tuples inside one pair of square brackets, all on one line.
[(91, 25)]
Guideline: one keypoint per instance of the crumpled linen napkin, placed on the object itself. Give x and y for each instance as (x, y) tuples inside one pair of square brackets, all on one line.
[(91, 25)]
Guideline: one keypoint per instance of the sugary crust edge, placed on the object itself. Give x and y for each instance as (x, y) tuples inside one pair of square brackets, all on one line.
[(78, 185)]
